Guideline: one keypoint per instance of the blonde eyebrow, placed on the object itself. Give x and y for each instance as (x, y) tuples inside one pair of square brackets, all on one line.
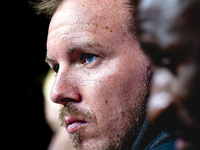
[(73, 48), (49, 59)]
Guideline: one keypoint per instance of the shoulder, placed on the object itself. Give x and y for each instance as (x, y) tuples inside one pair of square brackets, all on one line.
[(152, 138), (164, 141)]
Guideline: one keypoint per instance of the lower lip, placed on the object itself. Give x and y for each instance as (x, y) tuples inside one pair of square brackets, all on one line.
[(74, 127)]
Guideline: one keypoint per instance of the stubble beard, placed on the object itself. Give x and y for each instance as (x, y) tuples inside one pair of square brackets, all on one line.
[(71, 110), (76, 140), (121, 141), (118, 141)]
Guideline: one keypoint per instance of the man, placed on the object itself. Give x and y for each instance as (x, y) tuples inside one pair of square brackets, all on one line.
[(170, 34), (103, 78)]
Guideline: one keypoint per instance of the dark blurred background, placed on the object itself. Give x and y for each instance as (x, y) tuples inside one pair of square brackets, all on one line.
[(25, 49)]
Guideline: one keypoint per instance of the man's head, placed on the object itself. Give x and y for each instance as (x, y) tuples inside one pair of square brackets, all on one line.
[(102, 80), (170, 33)]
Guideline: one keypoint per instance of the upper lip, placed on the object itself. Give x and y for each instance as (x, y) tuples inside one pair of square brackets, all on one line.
[(70, 120)]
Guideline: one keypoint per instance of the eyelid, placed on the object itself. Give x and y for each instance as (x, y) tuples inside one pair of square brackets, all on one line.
[(52, 66), (56, 68), (83, 56)]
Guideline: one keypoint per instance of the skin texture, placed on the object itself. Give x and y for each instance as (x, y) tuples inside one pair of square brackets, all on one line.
[(170, 35), (106, 89)]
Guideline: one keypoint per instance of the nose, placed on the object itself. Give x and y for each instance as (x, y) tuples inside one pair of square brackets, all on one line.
[(65, 89)]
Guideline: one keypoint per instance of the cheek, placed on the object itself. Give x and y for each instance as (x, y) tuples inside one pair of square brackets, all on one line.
[(113, 92), (100, 89)]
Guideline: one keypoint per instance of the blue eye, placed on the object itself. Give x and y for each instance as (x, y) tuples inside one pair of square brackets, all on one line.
[(88, 58)]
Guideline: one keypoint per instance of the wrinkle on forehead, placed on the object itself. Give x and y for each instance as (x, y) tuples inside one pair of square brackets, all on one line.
[(88, 12)]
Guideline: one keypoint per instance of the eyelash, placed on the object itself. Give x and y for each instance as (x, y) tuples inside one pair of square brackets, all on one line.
[(56, 68), (83, 58), (89, 56)]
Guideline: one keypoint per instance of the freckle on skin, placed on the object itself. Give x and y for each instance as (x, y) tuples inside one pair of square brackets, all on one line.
[(107, 47), (110, 30), (122, 113), (106, 101), (122, 40), (107, 28)]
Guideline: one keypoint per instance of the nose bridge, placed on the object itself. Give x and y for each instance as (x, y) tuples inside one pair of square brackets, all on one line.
[(64, 87)]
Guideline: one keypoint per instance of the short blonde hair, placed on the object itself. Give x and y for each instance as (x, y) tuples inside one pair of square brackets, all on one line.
[(46, 7)]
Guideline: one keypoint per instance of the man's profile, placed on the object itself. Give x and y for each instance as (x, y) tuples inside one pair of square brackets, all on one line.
[(103, 77)]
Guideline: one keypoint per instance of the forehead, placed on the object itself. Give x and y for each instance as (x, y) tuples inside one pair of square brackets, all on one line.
[(85, 13), (77, 21)]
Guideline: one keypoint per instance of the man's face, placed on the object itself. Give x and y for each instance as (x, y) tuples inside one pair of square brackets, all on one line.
[(102, 75), (167, 37)]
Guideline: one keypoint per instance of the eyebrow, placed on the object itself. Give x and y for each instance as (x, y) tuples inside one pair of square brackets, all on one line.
[(49, 59), (90, 45), (73, 48)]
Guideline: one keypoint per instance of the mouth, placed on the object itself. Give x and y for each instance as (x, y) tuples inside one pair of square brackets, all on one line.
[(74, 124)]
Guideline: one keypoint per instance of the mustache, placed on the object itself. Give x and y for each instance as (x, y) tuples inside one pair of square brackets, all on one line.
[(71, 110)]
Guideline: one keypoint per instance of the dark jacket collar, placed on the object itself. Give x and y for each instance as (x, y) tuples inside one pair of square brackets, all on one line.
[(152, 138)]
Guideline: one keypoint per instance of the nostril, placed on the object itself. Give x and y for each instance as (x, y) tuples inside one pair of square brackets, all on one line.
[(68, 100)]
